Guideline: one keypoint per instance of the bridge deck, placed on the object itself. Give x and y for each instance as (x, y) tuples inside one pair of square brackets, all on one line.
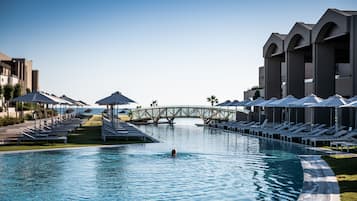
[(172, 112)]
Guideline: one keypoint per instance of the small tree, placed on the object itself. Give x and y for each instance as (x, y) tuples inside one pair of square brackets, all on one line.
[(256, 94), (17, 93), (8, 93), (212, 99)]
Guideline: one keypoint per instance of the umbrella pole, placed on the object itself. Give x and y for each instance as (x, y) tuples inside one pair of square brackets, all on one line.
[(260, 120), (289, 116), (273, 116), (355, 118), (336, 119), (296, 115), (53, 112), (34, 116), (331, 116), (45, 110), (311, 118)]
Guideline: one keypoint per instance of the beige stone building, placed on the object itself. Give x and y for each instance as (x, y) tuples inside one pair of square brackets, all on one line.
[(18, 71)]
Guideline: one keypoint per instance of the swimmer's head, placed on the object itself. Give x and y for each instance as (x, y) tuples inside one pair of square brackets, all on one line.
[(173, 152)]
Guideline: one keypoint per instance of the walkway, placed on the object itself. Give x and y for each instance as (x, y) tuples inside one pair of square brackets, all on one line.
[(171, 112), (320, 182)]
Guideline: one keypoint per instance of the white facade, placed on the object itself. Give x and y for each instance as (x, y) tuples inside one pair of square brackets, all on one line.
[(12, 80)]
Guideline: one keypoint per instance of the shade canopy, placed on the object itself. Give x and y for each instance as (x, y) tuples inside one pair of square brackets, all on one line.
[(78, 103), (225, 103), (115, 99), (234, 103), (35, 97), (284, 102), (332, 102), (83, 103), (351, 104), (352, 99), (244, 102), (264, 103), (255, 102), (71, 100), (305, 102), (58, 99)]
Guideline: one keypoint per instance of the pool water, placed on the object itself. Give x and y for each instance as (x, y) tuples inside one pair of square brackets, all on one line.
[(210, 165)]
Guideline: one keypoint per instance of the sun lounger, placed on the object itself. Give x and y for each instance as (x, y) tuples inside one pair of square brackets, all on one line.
[(320, 136), (293, 130), (29, 137), (341, 135), (286, 129), (297, 136), (244, 128), (343, 144), (257, 128), (275, 129)]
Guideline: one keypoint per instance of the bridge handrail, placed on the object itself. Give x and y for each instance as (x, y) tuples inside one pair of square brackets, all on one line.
[(192, 106)]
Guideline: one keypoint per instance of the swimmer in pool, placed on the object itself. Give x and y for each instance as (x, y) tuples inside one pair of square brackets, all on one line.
[(173, 153)]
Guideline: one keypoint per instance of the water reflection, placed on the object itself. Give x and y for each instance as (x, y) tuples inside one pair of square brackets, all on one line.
[(210, 165)]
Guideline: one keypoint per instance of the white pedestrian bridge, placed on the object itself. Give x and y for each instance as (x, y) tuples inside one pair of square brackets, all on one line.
[(169, 113)]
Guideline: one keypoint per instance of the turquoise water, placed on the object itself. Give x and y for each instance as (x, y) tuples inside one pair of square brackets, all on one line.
[(210, 165)]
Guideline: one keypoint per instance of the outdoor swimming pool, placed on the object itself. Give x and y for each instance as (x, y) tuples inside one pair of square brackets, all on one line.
[(211, 165)]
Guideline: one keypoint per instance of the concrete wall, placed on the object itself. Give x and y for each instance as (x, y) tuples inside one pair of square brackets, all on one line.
[(309, 71), (344, 86), (4, 57), (35, 80), (309, 87), (20, 71), (250, 93), (28, 76), (261, 77)]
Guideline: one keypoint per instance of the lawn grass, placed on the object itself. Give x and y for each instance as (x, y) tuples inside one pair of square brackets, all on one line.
[(352, 149), (87, 135), (345, 168)]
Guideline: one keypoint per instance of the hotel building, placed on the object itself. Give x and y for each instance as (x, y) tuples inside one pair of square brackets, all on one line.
[(316, 58), (18, 71)]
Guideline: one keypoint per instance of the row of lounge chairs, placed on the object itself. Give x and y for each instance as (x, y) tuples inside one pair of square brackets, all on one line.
[(314, 135), (113, 128), (57, 131)]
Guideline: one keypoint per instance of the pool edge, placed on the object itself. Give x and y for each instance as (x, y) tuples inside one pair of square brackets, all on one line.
[(320, 182)]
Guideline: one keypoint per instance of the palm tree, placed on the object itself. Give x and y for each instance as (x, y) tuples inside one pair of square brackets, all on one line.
[(154, 103), (212, 99)]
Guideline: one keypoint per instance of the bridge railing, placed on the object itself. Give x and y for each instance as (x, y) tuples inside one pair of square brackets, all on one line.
[(184, 111)]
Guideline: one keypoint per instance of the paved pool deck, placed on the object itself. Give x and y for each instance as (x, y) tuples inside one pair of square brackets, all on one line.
[(320, 182)]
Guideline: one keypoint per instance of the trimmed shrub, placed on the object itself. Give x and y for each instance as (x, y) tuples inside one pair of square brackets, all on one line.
[(5, 121)]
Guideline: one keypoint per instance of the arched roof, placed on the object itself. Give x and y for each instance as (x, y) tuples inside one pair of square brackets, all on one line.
[(274, 45), (299, 36), (333, 23)]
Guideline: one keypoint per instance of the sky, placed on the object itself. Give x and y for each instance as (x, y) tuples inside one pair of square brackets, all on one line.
[(176, 52)]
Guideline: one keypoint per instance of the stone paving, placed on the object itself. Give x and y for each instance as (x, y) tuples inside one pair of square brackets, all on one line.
[(320, 182)]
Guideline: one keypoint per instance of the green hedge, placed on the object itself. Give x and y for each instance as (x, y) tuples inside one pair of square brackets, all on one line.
[(5, 121)]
